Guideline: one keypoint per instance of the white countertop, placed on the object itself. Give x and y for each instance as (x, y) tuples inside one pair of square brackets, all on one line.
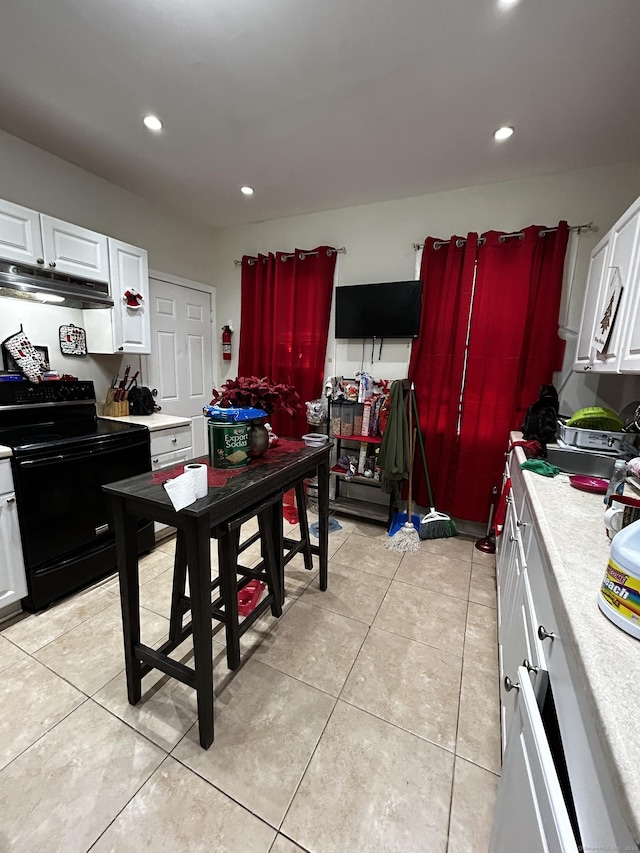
[(577, 548), (154, 422), (5, 452)]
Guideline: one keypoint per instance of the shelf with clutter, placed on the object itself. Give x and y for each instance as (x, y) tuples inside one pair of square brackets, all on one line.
[(357, 418)]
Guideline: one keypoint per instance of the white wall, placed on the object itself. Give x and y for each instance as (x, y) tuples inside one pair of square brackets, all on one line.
[(379, 241), (43, 182)]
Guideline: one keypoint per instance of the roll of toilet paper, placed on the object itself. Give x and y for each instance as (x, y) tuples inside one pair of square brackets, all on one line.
[(198, 473)]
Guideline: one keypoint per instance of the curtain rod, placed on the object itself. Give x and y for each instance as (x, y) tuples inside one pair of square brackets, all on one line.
[(301, 256), (589, 226)]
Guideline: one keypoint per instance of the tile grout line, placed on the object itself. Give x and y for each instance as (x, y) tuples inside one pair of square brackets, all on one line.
[(334, 707), (135, 794)]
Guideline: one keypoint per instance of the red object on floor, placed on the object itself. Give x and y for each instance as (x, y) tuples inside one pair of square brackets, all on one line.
[(289, 509), (249, 596)]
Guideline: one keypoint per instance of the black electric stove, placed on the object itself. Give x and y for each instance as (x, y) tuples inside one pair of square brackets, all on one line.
[(62, 456)]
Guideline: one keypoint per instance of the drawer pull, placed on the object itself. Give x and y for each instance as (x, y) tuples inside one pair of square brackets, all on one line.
[(174, 440), (509, 685), (529, 666), (512, 538), (543, 634), (521, 524)]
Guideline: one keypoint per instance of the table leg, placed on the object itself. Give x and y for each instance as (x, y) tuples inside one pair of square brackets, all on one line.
[(199, 566), (126, 532), (227, 566), (278, 544), (323, 520)]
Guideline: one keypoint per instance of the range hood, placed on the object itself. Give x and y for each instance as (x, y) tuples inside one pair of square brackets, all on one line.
[(35, 284)]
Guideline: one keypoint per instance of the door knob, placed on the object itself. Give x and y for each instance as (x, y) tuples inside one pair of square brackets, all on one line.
[(509, 685), (543, 634)]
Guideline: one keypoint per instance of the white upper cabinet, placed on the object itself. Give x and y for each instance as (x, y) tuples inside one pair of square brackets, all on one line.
[(617, 256), (74, 250), (33, 238), (123, 328), (595, 277), (20, 236)]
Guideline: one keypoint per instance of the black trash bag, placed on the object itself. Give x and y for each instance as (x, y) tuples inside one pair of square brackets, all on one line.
[(541, 420), (141, 401)]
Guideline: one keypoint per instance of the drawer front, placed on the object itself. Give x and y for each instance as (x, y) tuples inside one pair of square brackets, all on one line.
[(166, 460), (166, 440), (6, 477)]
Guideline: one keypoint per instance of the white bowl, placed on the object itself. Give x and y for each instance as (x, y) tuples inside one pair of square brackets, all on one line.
[(315, 439)]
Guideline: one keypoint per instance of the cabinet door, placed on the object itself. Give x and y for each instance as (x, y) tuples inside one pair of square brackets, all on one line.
[(630, 348), (20, 238), (622, 257), (595, 277), (531, 815), (129, 272), (74, 250), (13, 583)]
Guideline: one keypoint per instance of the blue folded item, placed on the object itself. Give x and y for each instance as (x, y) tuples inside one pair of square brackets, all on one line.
[(314, 529), (232, 415)]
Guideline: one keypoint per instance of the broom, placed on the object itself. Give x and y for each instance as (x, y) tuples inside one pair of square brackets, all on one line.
[(405, 538), (434, 525)]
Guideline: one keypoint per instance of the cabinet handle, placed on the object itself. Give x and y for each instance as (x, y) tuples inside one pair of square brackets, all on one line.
[(11, 500), (507, 500), (40, 261), (509, 685), (521, 524), (529, 666), (52, 263), (543, 634), (155, 461), (174, 440), (120, 349), (512, 538)]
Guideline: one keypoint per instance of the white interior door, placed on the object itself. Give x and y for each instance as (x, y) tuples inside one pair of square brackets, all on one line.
[(180, 365)]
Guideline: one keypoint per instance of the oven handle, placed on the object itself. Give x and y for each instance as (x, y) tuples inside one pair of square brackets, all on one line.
[(85, 454)]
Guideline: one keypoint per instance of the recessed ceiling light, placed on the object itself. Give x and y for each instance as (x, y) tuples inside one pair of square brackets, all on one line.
[(246, 190), (503, 133), (507, 4), (152, 122)]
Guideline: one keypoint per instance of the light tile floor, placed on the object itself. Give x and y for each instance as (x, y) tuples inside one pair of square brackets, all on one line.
[(365, 719)]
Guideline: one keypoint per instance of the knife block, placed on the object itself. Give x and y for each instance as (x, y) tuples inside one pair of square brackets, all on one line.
[(113, 408)]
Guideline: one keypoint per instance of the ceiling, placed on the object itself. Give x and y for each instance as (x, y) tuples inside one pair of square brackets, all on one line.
[(319, 105)]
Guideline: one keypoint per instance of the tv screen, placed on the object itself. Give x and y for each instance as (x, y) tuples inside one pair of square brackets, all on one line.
[(387, 310)]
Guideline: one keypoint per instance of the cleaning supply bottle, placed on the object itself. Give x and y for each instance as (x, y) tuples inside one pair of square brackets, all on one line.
[(619, 597), (616, 483)]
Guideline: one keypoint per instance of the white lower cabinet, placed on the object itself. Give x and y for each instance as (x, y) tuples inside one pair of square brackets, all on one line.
[(169, 447), (553, 762), (13, 582), (531, 815)]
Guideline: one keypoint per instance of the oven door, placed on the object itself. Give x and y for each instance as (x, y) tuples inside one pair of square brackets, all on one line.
[(61, 506)]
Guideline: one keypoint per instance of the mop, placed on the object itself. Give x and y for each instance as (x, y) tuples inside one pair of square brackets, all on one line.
[(405, 538), (434, 525)]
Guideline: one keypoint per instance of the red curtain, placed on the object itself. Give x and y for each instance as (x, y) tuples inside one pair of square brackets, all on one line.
[(284, 325), (437, 359), (513, 347)]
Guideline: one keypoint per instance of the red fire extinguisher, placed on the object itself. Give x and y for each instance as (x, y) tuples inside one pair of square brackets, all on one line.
[(227, 331)]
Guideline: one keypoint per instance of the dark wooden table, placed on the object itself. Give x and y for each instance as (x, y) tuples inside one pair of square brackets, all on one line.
[(138, 497)]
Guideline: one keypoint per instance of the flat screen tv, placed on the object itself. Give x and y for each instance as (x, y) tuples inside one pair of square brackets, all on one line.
[(387, 310)]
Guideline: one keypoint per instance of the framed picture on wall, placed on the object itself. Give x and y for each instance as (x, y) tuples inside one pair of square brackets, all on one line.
[(11, 366)]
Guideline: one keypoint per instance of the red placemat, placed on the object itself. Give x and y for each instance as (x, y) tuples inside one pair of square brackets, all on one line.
[(220, 476)]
